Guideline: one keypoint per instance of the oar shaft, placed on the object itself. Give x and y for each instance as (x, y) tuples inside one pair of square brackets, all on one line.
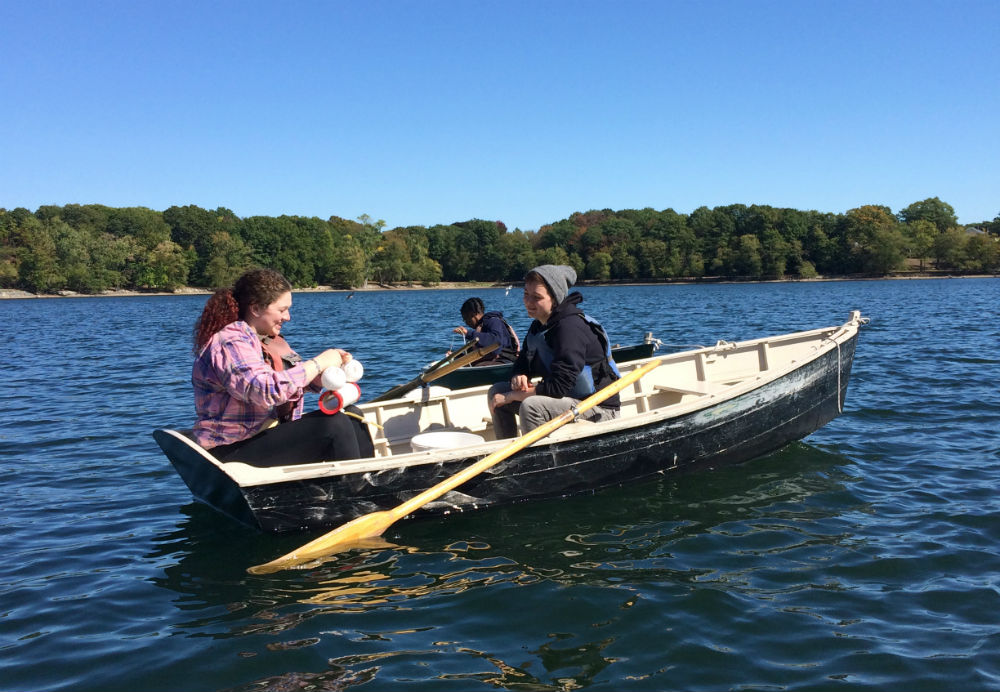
[(525, 440), (376, 523), (439, 369), (472, 357)]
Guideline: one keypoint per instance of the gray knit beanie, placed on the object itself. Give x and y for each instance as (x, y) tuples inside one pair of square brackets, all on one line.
[(558, 277)]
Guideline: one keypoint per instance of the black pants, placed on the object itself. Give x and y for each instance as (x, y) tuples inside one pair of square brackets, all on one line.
[(313, 437)]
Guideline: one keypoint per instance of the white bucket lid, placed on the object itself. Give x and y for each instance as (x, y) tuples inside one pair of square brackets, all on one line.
[(444, 439)]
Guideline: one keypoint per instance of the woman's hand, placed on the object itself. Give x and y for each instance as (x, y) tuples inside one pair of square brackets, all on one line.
[(332, 358)]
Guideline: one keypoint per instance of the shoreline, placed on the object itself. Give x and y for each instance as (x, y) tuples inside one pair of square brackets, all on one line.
[(14, 294)]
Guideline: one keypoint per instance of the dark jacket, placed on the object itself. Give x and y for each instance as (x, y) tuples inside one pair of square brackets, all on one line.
[(493, 330), (574, 345)]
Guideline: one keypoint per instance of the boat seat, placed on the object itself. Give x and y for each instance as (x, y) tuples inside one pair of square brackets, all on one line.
[(697, 387)]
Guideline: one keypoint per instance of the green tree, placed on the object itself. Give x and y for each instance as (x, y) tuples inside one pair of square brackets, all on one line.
[(873, 239), (746, 258), (517, 256), (552, 255), (713, 228), (192, 228), (623, 263), (939, 213), (146, 226), (369, 235), (228, 257), (390, 260), (480, 239), (774, 251), (560, 234), (819, 250), (164, 267), (920, 235), (8, 251), (807, 270), (982, 253), (114, 260), (599, 267), (75, 250), (949, 248), (347, 269), (38, 266), (655, 259)]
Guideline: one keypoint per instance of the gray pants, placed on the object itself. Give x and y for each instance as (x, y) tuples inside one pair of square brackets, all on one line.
[(536, 410)]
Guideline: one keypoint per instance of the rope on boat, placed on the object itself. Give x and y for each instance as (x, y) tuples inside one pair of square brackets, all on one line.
[(362, 419)]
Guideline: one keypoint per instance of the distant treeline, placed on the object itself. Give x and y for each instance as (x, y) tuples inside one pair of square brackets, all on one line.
[(91, 248)]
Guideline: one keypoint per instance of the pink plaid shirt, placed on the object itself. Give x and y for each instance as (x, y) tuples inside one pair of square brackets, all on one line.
[(236, 390)]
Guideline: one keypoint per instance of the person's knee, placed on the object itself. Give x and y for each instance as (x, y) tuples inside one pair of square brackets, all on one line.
[(531, 407), (534, 412)]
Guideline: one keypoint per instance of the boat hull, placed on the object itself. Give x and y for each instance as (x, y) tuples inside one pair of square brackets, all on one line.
[(732, 431)]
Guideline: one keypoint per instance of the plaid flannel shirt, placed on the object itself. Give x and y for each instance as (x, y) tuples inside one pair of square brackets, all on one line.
[(236, 390)]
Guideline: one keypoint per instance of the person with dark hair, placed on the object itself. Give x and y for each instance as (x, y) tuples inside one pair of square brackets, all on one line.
[(569, 350), (486, 329), (249, 384)]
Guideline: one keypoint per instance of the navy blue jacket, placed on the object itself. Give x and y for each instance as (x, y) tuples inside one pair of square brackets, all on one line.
[(574, 345), (493, 330)]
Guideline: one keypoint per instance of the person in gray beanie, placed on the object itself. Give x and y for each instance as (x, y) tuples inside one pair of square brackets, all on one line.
[(557, 277), (569, 350)]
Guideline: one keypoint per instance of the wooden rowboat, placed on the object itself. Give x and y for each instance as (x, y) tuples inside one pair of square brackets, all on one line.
[(707, 407)]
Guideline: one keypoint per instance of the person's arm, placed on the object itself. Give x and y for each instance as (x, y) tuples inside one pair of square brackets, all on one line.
[(504, 398), (247, 376), (467, 334), (521, 365), (330, 358), (491, 331)]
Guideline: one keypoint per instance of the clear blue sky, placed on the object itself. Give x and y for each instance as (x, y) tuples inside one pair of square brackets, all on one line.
[(425, 112)]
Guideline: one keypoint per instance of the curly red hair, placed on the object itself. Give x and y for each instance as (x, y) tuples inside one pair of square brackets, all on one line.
[(259, 287)]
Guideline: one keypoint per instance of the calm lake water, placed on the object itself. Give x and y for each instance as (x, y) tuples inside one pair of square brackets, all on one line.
[(864, 557)]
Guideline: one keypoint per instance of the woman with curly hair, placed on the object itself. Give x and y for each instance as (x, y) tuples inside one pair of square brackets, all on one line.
[(249, 384)]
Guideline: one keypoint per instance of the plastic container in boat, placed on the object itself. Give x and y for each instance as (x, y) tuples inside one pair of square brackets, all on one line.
[(443, 439)]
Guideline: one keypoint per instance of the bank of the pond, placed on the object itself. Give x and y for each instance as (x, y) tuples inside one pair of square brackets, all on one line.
[(11, 293)]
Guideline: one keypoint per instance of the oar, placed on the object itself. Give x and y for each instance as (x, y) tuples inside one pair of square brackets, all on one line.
[(371, 525), (417, 381), (460, 358)]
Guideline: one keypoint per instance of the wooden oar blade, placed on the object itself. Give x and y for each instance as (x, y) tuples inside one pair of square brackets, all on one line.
[(356, 533)]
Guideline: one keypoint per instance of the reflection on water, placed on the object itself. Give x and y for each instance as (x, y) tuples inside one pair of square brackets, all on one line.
[(636, 531), (624, 547)]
